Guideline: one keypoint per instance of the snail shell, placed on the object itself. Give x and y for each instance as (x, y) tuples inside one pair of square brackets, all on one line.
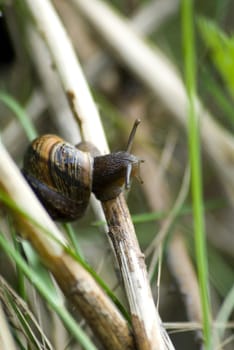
[(60, 175)]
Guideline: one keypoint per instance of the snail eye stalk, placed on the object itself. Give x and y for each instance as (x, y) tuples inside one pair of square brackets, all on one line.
[(132, 135), (128, 176)]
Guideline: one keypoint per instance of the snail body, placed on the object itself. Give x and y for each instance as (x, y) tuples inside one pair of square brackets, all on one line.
[(63, 176)]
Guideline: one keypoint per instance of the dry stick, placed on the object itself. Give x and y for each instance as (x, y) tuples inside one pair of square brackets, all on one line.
[(149, 332), (154, 69), (132, 267), (76, 283)]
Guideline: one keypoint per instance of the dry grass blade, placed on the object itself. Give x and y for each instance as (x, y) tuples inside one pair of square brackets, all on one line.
[(17, 309), (6, 341)]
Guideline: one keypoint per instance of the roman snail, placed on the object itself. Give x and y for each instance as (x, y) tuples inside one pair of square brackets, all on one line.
[(63, 176)]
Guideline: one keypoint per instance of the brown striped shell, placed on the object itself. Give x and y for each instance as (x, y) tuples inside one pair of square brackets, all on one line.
[(60, 175)]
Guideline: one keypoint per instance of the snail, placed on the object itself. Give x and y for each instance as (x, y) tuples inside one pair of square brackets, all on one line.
[(63, 176)]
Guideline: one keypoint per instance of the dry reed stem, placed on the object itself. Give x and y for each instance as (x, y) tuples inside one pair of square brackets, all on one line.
[(133, 270)]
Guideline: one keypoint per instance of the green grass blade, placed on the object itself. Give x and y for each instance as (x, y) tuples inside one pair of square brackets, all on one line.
[(73, 239), (15, 107), (195, 164), (221, 48)]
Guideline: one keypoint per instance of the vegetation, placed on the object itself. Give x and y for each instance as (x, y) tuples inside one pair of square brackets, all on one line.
[(176, 74)]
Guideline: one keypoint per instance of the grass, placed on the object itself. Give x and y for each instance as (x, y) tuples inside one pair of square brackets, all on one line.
[(20, 113), (219, 274), (196, 167), (34, 278)]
